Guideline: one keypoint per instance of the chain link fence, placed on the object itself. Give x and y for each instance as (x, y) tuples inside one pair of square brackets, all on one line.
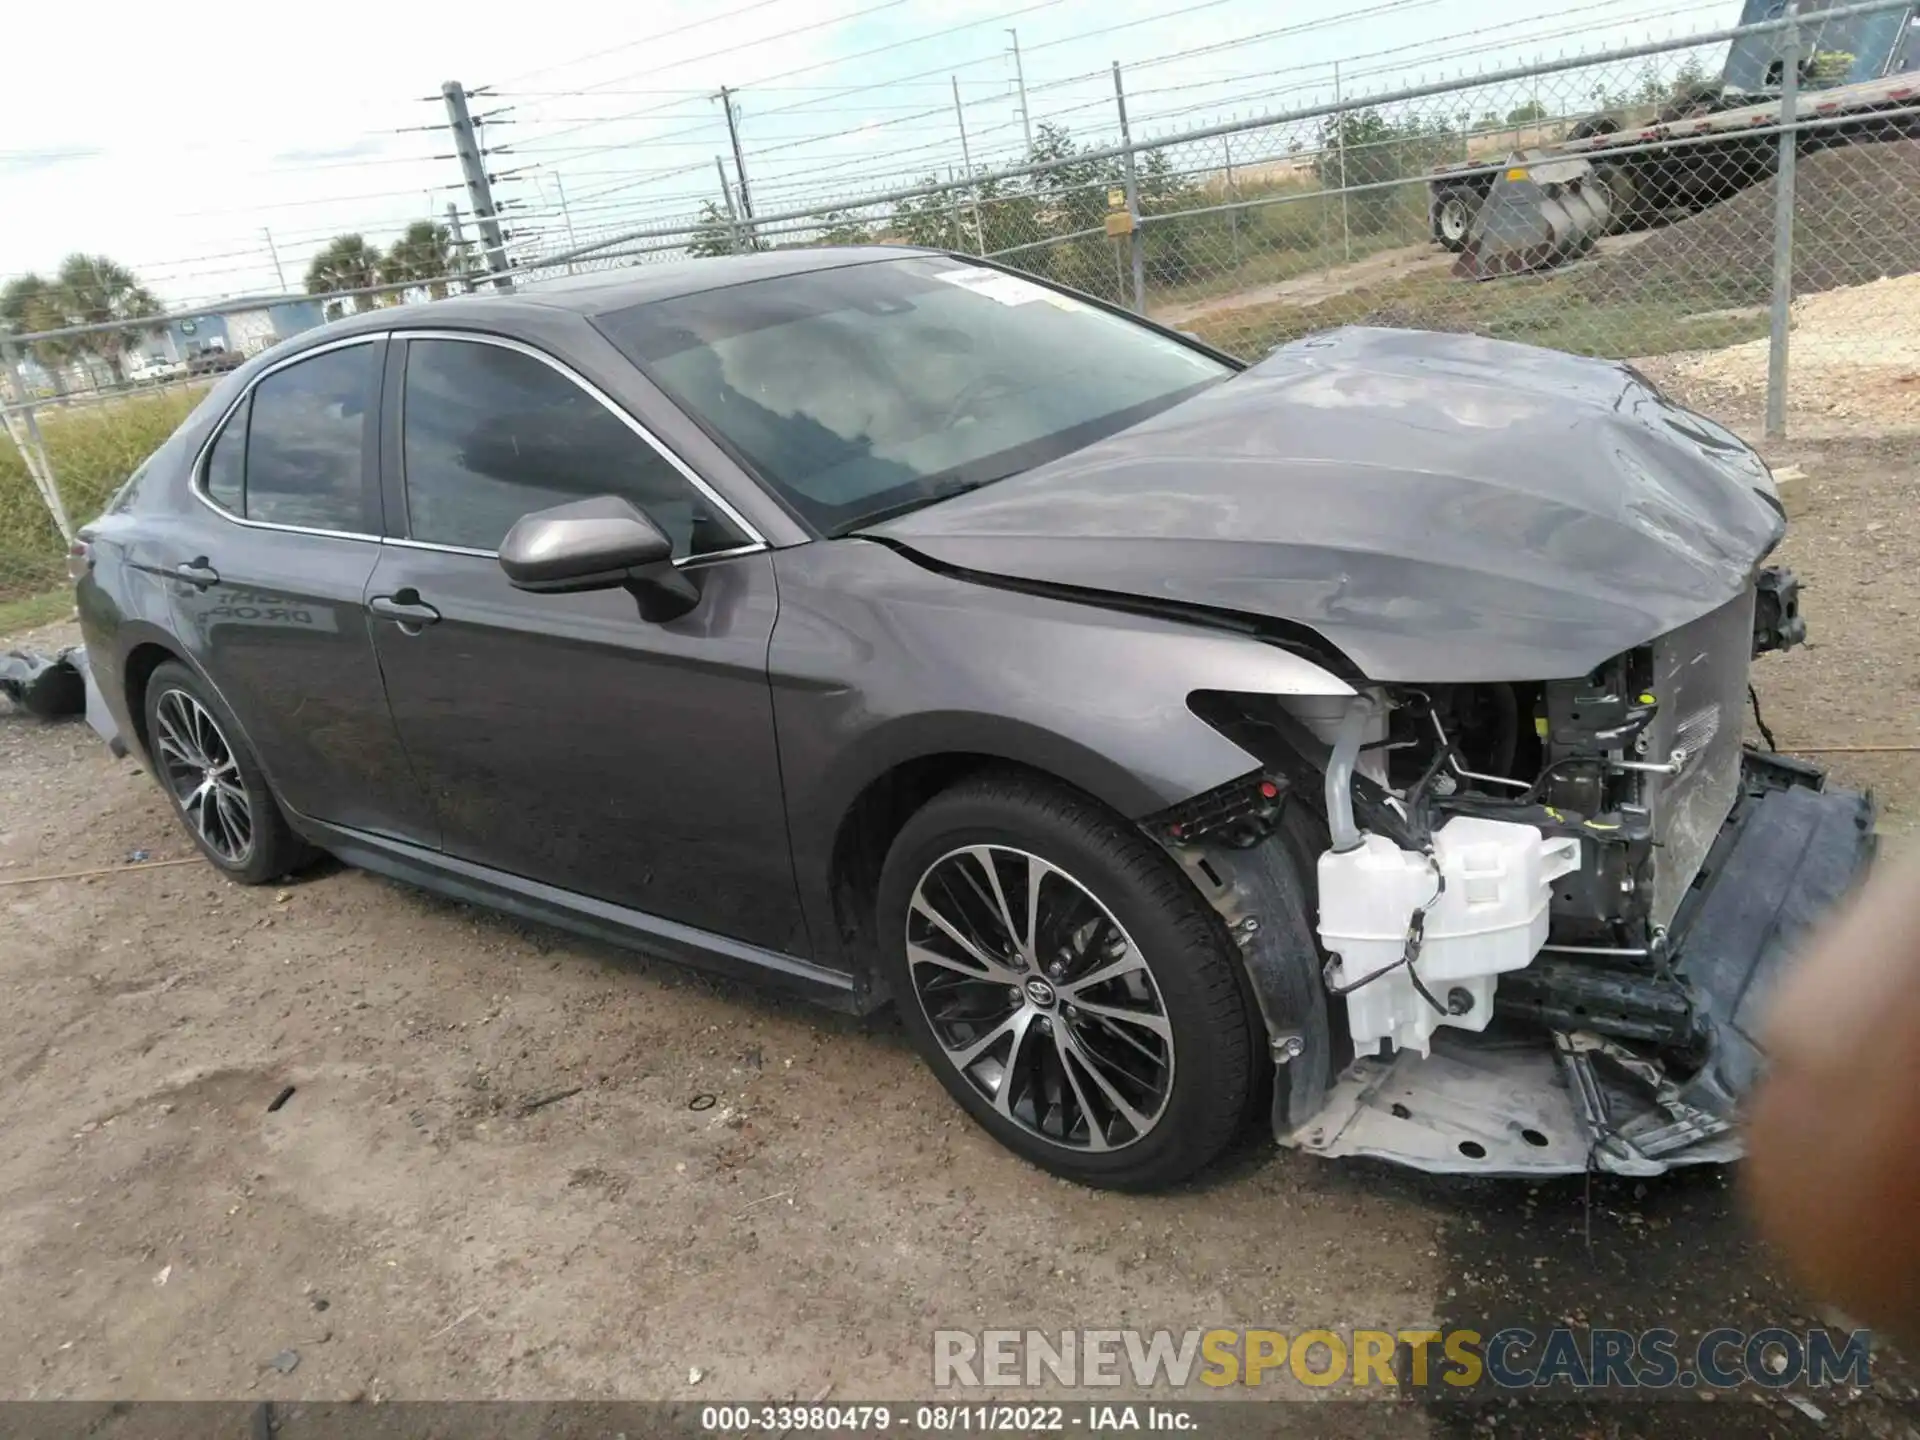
[(1700, 226)]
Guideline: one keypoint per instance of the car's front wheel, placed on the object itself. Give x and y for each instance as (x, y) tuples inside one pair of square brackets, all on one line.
[(1066, 983), (215, 784)]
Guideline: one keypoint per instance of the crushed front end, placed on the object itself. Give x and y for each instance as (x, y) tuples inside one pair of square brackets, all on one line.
[(1550, 912)]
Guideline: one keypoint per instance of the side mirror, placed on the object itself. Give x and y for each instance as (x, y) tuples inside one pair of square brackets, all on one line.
[(599, 544)]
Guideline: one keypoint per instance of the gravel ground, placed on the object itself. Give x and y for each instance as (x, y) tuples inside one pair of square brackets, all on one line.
[(1853, 356), (411, 1228)]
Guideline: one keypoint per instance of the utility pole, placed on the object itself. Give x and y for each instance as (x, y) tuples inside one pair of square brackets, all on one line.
[(1135, 240), (479, 189), (726, 194), (566, 217), (460, 256), (278, 273), (739, 161), (1020, 79), (966, 158), (1783, 182)]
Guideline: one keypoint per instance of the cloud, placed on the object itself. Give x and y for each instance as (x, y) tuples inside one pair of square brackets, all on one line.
[(19, 162), (358, 150)]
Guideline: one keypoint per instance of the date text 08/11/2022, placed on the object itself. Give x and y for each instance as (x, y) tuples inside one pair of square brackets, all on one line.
[(946, 1419)]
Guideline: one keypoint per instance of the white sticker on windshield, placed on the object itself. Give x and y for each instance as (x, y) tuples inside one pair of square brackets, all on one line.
[(1007, 289)]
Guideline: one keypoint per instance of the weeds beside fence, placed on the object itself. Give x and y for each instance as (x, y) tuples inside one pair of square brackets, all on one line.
[(1255, 233), (91, 447)]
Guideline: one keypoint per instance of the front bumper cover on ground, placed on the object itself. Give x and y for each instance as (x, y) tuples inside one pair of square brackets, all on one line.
[(1512, 1102)]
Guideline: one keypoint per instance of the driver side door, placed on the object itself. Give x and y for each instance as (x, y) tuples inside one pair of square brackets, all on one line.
[(563, 738)]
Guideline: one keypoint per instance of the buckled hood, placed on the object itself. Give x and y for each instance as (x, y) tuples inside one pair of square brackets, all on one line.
[(1435, 507)]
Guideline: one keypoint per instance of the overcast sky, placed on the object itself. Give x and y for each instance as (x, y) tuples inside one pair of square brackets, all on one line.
[(174, 139)]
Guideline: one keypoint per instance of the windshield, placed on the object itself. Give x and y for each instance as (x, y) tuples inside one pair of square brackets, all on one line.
[(866, 390)]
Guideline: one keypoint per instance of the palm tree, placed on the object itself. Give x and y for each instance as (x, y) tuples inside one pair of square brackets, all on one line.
[(94, 290), (424, 255), (28, 303), (346, 262)]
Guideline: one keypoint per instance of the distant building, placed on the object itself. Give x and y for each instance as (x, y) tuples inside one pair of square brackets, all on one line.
[(245, 326), (255, 329), (258, 324)]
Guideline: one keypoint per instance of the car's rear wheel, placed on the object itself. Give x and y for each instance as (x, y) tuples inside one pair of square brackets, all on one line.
[(1066, 983), (214, 782)]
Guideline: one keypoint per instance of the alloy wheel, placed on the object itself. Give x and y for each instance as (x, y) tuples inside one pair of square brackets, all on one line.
[(1040, 999), (197, 762)]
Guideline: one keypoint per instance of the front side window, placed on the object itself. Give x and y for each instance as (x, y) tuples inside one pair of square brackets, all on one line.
[(305, 443), (492, 434), (869, 389)]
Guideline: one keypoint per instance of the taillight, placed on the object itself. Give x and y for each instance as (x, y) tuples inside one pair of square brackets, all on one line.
[(79, 560)]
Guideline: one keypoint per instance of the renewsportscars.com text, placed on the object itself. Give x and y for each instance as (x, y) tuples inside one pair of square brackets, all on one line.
[(1511, 1358)]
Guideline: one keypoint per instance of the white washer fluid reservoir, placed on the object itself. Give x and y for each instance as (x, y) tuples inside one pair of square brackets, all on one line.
[(1491, 917)]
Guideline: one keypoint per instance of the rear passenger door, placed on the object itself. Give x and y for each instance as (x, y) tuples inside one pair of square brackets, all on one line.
[(564, 738), (268, 581)]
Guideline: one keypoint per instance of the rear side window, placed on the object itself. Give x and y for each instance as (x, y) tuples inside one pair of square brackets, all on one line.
[(226, 465), (305, 443), (492, 434)]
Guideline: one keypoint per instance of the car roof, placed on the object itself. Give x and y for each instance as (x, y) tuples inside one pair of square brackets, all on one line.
[(610, 290), (606, 291)]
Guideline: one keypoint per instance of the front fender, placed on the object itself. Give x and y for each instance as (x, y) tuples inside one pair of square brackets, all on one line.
[(877, 662)]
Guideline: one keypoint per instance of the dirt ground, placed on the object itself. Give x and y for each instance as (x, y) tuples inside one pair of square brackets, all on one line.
[(1405, 262), (409, 1225), (1319, 285)]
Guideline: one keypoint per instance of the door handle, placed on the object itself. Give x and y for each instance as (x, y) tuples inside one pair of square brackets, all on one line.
[(197, 573), (406, 609)]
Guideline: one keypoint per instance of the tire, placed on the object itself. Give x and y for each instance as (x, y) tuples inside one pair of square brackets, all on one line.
[(1623, 197), (1111, 903), (195, 743), (1453, 212)]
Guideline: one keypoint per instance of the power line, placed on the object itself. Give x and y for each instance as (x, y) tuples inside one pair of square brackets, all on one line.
[(896, 45), (783, 180), (678, 90), (735, 49), (1160, 60), (643, 40), (829, 100), (838, 60), (307, 204), (1390, 6), (830, 110), (1174, 13)]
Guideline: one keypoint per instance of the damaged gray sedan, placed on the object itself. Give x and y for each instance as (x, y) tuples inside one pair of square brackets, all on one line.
[(1353, 738)]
